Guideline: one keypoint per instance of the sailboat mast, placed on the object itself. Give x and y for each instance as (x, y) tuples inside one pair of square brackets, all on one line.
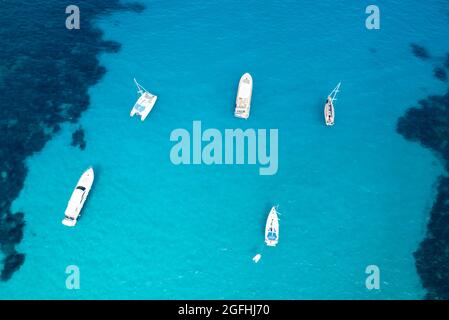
[(140, 89), (334, 92)]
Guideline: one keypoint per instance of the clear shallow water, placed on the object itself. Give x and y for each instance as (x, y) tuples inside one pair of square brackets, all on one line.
[(352, 195)]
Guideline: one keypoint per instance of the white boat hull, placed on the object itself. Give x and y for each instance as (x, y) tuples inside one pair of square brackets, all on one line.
[(143, 106), (78, 198), (257, 257), (329, 112), (244, 94), (272, 228)]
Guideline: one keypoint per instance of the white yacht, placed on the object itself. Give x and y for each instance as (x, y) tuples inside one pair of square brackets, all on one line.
[(329, 111), (79, 196), (144, 104), (272, 228), (244, 93)]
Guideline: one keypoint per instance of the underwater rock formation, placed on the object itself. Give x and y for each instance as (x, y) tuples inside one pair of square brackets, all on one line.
[(11, 233), (78, 139), (45, 73), (432, 257), (428, 124), (440, 74), (12, 263), (420, 51)]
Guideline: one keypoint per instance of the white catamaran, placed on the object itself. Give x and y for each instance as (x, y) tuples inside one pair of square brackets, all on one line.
[(329, 111), (79, 196), (272, 228), (244, 93), (144, 104)]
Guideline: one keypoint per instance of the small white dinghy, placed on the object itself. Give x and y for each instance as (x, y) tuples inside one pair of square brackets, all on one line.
[(79, 196), (144, 104), (272, 228), (244, 94), (257, 257), (329, 111)]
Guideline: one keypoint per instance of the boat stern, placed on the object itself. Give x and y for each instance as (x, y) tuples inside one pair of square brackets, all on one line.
[(271, 243), (69, 222), (242, 115)]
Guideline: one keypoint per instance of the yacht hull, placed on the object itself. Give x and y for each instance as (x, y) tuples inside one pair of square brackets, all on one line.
[(78, 198), (329, 113), (244, 95)]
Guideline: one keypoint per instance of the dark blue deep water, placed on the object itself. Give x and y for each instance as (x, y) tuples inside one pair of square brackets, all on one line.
[(45, 73)]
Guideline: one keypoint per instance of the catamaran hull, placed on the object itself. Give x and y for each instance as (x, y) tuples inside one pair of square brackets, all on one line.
[(244, 94), (74, 210), (143, 106)]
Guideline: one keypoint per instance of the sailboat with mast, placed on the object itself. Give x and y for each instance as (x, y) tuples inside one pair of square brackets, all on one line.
[(144, 104), (329, 110), (272, 228)]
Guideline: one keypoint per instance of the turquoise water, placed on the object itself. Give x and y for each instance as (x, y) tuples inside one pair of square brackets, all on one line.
[(352, 195)]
